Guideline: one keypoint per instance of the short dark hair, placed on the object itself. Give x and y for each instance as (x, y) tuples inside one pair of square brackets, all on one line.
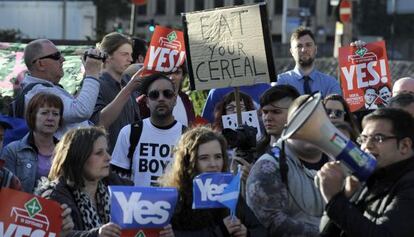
[(38, 101), (71, 154), (301, 31), (402, 99), (402, 122), (277, 93), (349, 116), (148, 80), (112, 41), (139, 47)]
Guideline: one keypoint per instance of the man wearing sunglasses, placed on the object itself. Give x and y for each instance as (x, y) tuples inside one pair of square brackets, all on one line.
[(144, 149), (45, 64), (383, 205)]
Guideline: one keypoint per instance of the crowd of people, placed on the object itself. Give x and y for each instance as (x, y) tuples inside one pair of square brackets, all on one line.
[(122, 128)]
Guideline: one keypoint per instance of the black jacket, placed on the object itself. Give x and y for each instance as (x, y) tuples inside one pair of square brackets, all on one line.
[(384, 206), (61, 192)]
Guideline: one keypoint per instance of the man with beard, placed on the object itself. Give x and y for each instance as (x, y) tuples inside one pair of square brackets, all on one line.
[(144, 149), (304, 77)]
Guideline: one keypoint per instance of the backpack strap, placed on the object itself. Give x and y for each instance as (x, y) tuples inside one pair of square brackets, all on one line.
[(135, 135), (279, 156)]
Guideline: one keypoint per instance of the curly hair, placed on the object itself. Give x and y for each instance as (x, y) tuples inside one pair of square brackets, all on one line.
[(182, 172)]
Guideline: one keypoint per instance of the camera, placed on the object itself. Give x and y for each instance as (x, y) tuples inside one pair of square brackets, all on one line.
[(243, 138), (102, 56)]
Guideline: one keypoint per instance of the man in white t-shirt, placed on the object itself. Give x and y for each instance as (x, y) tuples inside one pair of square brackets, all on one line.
[(155, 137)]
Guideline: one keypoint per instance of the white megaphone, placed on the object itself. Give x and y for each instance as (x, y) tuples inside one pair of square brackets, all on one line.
[(307, 120)]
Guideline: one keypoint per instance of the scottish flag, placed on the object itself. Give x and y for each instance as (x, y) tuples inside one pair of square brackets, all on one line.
[(207, 187), (230, 195)]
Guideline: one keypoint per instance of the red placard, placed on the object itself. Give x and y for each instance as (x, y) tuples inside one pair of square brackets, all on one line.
[(141, 233), (139, 2), (345, 11), (23, 214), (365, 76), (166, 51)]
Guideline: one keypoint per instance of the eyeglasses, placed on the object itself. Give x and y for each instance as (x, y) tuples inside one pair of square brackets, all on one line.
[(153, 95), (231, 107), (55, 56), (335, 112), (377, 138)]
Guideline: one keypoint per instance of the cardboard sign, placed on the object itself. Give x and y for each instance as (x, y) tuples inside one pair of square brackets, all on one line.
[(142, 207), (166, 51), (365, 76), (248, 117), (208, 187), (24, 214), (228, 47)]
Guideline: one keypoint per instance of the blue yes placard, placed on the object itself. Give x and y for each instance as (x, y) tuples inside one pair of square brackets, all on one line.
[(142, 207), (207, 188)]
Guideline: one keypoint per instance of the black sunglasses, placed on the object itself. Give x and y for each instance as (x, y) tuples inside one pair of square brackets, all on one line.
[(55, 56), (153, 95), (336, 112)]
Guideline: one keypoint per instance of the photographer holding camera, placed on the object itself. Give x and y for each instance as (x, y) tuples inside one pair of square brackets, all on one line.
[(45, 64)]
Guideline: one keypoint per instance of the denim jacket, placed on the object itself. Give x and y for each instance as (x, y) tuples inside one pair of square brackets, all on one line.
[(21, 159)]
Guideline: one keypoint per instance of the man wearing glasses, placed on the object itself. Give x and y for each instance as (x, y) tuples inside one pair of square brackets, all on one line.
[(144, 149), (304, 77), (44, 62), (383, 206)]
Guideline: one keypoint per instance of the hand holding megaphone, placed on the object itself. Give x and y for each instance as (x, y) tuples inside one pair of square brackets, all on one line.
[(307, 120), (332, 179)]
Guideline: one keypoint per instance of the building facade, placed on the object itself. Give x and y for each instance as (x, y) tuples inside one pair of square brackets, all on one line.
[(317, 14)]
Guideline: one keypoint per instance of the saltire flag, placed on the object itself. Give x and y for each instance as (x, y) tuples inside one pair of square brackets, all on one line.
[(230, 195)]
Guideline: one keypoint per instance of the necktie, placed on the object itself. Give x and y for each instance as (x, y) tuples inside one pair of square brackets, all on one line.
[(306, 85)]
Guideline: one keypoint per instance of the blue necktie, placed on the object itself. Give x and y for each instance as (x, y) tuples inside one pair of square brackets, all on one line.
[(306, 85)]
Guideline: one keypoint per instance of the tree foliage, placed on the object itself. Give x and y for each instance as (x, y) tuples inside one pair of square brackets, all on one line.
[(109, 9)]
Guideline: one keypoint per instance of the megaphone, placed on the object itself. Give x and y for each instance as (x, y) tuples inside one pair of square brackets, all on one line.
[(307, 120)]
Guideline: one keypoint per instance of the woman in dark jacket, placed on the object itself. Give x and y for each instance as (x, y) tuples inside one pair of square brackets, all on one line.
[(80, 164), (203, 150)]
